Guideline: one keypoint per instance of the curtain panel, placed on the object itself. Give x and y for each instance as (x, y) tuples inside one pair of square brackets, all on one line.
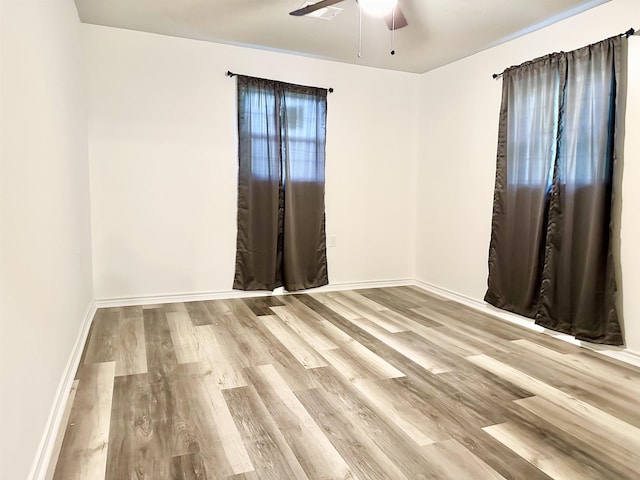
[(560, 137), (281, 217)]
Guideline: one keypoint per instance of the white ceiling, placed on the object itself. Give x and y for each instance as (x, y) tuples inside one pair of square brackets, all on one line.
[(439, 31)]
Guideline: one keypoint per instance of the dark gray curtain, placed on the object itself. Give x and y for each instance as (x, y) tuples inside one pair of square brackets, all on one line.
[(551, 252), (281, 217)]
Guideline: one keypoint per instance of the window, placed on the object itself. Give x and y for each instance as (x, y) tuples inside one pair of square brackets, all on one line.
[(281, 150), (299, 116), (551, 255)]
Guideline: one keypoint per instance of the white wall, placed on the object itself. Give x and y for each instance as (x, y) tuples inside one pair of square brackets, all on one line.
[(460, 105), (45, 252), (162, 144)]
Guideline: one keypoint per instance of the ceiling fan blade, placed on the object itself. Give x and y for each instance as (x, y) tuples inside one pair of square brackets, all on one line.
[(312, 8), (400, 20)]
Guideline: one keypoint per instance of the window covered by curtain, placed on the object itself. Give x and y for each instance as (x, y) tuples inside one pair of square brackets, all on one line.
[(560, 128), (281, 218)]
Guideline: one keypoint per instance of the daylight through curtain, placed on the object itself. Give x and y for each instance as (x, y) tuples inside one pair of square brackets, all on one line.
[(560, 132), (281, 217)]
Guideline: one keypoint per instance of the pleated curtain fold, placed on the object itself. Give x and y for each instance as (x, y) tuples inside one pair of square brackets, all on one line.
[(560, 139), (281, 217)]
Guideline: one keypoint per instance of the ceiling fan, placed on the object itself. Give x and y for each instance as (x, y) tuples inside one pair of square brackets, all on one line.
[(394, 18)]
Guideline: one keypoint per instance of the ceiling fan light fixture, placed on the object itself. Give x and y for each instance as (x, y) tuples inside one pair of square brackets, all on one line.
[(378, 7)]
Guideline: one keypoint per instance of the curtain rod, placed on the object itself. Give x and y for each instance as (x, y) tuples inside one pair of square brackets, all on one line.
[(628, 33), (229, 73)]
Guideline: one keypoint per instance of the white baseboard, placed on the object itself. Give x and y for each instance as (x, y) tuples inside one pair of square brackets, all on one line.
[(52, 429), (626, 355), (226, 294)]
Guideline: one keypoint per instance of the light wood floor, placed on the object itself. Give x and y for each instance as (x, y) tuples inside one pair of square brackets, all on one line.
[(372, 384)]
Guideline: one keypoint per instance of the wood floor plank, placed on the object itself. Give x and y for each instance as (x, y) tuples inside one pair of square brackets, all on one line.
[(267, 447), (188, 467), (621, 382), (174, 307), (626, 432), (474, 381), (362, 455), (405, 345), (411, 295), (557, 464), (161, 355), (257, 346), (499, 456), (298, 305), (84, 448), (399, 305), (390, 297), (244, 476), (610, 369), (317, 309), (154, 306), (458, 463), (589, 455), (219, 357), (482, 342), (408, 323), (131, 352), (185, 339), (388, 438), (462, 316), (148, 434), (248, 346), (296, 376), (228, 435), (356, 333), (88, 341), (604, 437), (135, 446), (252, 337), (310, 331), (217, 307), (344, 331), (319, 331), (211, 429), (262, 305), (337, 307), (450, 415), (362, 307), (55, 454), (312, 448), (296, 345), (541, 362), (491, 331), (360, 299), (170, 393), (408, 419), (103, 342), (253, 342), (199, 313), (451, 341), (354, 361), (423, 382)]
